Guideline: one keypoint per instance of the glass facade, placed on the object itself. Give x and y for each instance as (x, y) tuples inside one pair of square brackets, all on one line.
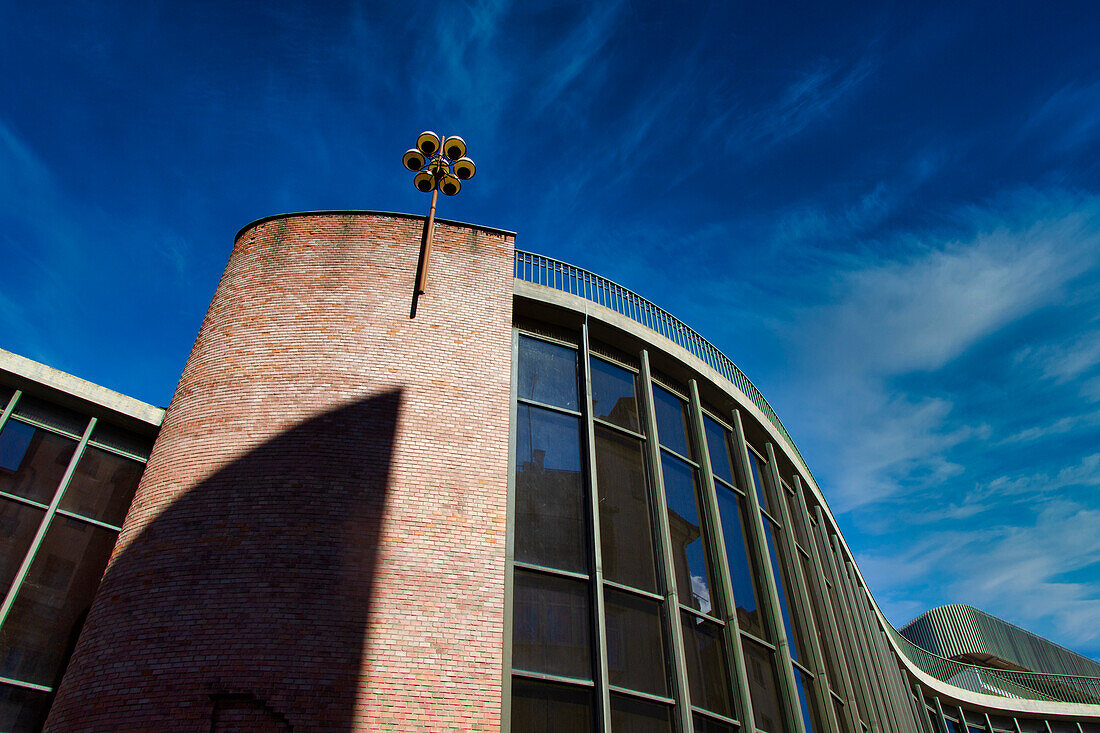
[(63, 496), (668, 577)]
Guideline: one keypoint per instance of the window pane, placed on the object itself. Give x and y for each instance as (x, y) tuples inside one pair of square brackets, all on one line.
[(635, 643), (121, 439), (631, 715), (705, 658), (763, 687), (672, 420), (757, 468), (613, 394), (32, 461), (718, 447), (547, 373), (22, 710), (41, 629), (781, 588), (626, 536), (689, 552), (102, 486), (18, 525), (550, 630), (703, 724), (545, 707), (550, 497), (735, 535), (809, 716)]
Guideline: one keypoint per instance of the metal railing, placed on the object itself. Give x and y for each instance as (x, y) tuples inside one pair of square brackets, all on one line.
[(1001, 682), (540, 270)]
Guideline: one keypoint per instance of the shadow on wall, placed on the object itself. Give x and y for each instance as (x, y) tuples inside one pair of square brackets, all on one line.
[(244, 605)]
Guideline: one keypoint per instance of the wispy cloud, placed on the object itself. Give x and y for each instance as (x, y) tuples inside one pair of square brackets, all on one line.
[(813, 95)]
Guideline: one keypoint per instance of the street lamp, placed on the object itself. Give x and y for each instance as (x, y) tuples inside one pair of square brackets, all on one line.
[(440, 164)]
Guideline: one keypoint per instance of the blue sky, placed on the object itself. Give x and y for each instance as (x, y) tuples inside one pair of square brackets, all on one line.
[(888, 215)]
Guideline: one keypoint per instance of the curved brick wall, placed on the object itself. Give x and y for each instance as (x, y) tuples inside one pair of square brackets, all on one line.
[(318, 540)]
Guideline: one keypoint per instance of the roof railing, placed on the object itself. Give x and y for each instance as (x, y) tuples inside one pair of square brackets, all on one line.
[(567, 278)]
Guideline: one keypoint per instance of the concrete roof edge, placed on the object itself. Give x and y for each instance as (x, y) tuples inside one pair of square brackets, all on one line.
[(329, 212), (81, 389)]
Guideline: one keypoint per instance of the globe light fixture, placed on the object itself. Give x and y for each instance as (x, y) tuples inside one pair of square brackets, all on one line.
[(440, 164)]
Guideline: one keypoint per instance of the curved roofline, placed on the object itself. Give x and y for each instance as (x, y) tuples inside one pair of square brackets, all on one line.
[(367, 212)]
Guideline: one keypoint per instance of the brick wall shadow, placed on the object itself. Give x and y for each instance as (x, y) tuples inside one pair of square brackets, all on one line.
[(251, 590)]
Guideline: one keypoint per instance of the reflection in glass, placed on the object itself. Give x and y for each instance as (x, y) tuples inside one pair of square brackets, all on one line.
[(41, 629), (705, 658), (781, 588), (718, 447), (735, 535), (545, 707), (18, 525), (23, 710), (672, 421), (614, 398), (102, 486), (550, 497), (550, 631), (32, 460), (631, 715), (547, 373), (689, 552), (809, 716), (763, 687), (635, 643), (626, 537)]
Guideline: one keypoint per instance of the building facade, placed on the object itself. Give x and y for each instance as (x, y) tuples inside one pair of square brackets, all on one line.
[(526, 500)]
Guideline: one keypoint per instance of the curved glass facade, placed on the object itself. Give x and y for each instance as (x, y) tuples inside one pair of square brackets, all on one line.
[(671, 572)]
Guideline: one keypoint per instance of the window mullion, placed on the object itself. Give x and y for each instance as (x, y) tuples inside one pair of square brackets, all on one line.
[(603, 692), (10, 407), (660, 507)]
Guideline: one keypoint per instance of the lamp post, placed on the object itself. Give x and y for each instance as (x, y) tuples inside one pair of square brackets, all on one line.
[(440, 164)]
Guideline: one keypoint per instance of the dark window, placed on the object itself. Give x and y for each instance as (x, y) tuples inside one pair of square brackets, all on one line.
[(763, 687), (625, 531), (50, 414), (18, 525), (635, 643), (545, 707), (547, 373), (735, 535), (689, 551), (703, 724), (705, 658), (614, 396), (550, 498), (551, 622), (631, 715), (672, 421), (23, 710), (53, 599), (32, 461), (102, 486), (718, 447)]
